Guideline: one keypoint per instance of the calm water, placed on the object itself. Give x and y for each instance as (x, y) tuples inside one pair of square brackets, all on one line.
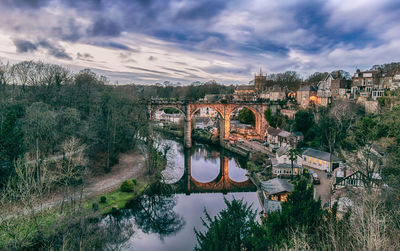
[(204, 176)]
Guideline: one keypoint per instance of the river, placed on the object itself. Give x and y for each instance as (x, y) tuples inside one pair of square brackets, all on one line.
[(203, 177)]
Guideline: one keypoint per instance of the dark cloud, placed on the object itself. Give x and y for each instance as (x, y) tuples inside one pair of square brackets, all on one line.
[(24, 45), (151, 58), (84, 56), (114, 45), (146, 70), (195, 10), (69, 31), (105, 27), (25, 4), (54, 50), (176, 70)]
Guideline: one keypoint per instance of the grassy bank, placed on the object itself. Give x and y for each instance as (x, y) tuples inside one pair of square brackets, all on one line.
[(50, 221), (116, 199)]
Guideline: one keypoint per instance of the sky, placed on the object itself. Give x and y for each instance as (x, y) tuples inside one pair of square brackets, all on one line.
[(149, 41)]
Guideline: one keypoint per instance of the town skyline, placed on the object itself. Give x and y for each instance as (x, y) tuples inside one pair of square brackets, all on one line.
[(145, 42)]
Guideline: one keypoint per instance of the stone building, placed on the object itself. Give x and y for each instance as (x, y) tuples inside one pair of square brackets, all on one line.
[(245, 93), (260, 82), (364, 82), (306, 94), (274, 93)]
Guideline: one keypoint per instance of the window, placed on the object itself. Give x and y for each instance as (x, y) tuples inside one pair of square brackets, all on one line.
[(315, 161), (309, 159), (320, 162), (305, 159)]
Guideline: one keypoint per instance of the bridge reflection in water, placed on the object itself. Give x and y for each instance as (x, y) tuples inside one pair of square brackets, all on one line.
[(222, 183)]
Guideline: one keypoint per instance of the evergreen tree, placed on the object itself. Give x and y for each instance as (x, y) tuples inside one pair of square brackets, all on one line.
[(229, 230)]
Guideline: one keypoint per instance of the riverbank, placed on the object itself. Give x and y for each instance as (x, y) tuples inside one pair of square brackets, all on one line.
[(19, 227)]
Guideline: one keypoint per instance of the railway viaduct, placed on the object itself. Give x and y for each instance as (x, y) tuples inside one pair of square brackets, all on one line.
[(224, 109)]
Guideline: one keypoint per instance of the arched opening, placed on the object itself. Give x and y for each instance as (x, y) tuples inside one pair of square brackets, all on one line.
[(243, 124), (169, 118), (205, 124)]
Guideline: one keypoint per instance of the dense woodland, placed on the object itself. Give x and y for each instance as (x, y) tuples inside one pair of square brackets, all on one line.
[(42, 106)]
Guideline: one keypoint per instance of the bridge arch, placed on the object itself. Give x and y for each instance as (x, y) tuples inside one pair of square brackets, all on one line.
[(161, 107), (257, 114), (213, 107)]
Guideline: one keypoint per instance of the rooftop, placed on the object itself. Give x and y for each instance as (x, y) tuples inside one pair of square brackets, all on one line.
[(272, 206), (245, 87), (277, 185), (284, 134), (319, 154), (273, 131)]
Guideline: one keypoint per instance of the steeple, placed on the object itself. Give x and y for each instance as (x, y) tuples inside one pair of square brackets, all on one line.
[(260, 71)]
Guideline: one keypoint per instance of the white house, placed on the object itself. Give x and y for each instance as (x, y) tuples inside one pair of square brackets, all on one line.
[(319, 160), (282, 165)]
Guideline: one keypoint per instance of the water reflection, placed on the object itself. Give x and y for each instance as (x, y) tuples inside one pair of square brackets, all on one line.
[(153, 212), (205, 169), (196, 179)]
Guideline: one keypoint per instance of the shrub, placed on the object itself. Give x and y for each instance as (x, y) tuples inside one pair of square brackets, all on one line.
[(103, 199), (134, 181), (114, 211), (95, 206), (127, 186)]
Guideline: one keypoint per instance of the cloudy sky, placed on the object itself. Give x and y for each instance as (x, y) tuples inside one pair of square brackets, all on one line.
[(148, 41)]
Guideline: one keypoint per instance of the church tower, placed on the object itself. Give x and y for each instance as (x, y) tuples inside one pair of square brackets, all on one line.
[(260, 82)]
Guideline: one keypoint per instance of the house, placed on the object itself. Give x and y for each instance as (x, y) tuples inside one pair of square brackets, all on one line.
[(203, 122), (272, 135), (324, 96), (278, 137), (395, 81), (365, 81), (285, 169), (338, 85), (244, 93), (306, 95), (282, 165), (377, 93), (276, 189), (356, 180), (299, 136), (274, 93), (286, 138), (319, 160)]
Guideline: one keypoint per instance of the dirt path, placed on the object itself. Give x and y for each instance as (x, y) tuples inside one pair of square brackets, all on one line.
[(131, 165)]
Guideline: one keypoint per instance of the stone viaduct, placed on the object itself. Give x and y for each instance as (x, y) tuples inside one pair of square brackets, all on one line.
[(224, 109)]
